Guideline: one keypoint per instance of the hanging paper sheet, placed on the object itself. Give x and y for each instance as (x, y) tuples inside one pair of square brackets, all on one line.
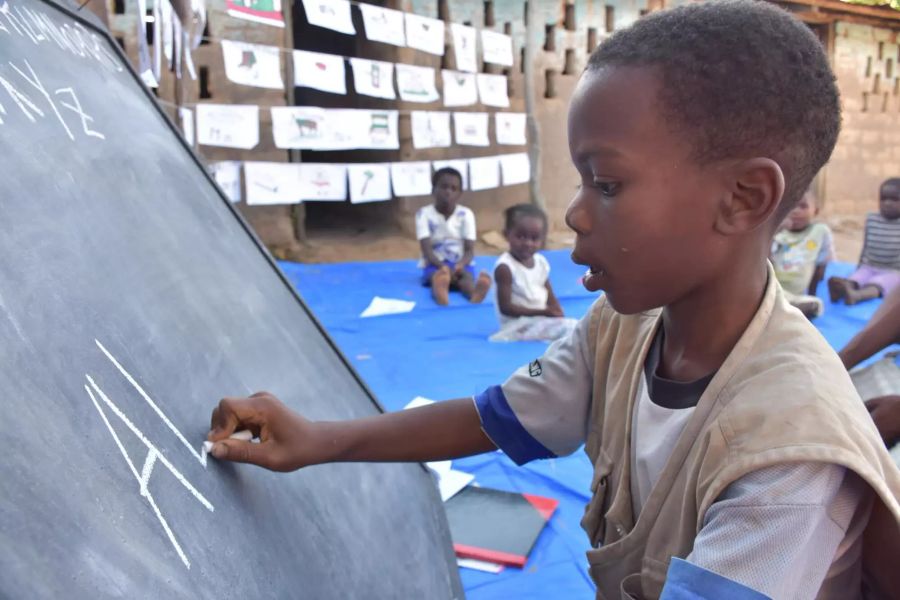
[(411, 178), (515, 168), (484, 173), (312, 128), (252, 64), (383, 24), (496, 48), (273, 183), (323, 182), (227, 174), (464, 47), (228, 125), (510, 128), (460, 88), (267, 12), (186, 116), (369, 182), (471, 128), (416, 84), (331, 14), (460, 164), (319, 71), (430, 129), (492, 90), (373, 78), (423, 33)]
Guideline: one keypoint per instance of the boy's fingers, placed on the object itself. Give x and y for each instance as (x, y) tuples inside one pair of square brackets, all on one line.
[(233, 414), (242, 452)]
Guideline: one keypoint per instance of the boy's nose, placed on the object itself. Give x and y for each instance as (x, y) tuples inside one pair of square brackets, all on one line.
[(577, 218)]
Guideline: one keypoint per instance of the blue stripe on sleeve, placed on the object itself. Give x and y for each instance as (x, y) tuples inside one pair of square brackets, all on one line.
[(687, 581), (503, 427)]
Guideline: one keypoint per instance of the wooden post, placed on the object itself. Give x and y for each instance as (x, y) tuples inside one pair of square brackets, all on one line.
[(532, 27), (298, 211)]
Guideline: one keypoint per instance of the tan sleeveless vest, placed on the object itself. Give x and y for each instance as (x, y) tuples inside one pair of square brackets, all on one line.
[(782, 395)]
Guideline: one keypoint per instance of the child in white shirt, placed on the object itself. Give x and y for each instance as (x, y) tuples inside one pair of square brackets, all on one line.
[(527, 308)]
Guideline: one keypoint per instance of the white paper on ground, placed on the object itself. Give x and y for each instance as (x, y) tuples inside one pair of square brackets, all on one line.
[(411, 178), (510, 128), (273, 183), (430, 129), (464, 47), (331, 14), (383, 24), (319, 71), (369, 182), (496, 48), (416, 84), (417, 402), (492, 89), (227, 174), (228, 125), (373, 78), (471, 128), (484, 173), (324, 182), (515, 168), (460, 164), (424, 33), (252, 64), (460, 89), (387, 306), (479, 565)]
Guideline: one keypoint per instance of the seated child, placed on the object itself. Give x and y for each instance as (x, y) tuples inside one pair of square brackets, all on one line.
[(800, 253), (879, 266), (526, 306), (446, 234)]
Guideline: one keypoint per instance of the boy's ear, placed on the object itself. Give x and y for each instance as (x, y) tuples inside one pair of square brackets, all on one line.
[(756, 189)]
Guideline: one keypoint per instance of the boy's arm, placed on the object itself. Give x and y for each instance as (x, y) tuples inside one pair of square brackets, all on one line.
[(289, 441), (428, 252), (504, 281), (818, 276), (882, 330), (468, 255), (553, 307)]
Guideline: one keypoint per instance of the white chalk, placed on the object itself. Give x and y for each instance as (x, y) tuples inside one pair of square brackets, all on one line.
[(244, 436)]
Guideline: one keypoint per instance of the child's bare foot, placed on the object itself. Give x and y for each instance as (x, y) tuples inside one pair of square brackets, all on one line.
[(867, 292), (482, 285), (440, 286), (839, 288)]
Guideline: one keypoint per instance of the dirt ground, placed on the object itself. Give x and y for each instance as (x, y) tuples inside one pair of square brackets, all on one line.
[(389, 244)]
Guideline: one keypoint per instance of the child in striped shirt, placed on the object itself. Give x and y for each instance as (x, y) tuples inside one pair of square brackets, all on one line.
[(879, 265)]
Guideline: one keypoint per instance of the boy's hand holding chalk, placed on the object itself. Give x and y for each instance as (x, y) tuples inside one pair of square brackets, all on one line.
[(246, 436)]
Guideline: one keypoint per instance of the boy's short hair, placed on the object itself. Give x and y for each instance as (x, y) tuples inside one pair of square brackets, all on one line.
[(517, 211), (742, 78), (892, 182), (446, 171)]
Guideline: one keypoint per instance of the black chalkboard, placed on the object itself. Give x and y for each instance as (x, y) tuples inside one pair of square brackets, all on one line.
[(132, 297)]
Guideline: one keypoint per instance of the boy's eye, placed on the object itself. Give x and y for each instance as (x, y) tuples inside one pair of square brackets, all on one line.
[(607, 188)]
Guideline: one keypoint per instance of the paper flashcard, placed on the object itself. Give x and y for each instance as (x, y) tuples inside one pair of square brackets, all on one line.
[(430, 129), (383, 24), (460, 88), (515, 168), (373, 78), (464, 47), (471, 128), (369, 182), (411, 178), (423, 33), (416, 84), (484, 173), (460, 164), (497, 48), (510, 128), (313, 128), (324, 72), (267, 12), (331, 14), (492, 90), (227, 174), (273, 183), (186, 116), (323, 182), (252, 64), (228, 125)]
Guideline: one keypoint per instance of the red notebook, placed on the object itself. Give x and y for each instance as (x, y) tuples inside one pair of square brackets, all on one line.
[(497, 526)]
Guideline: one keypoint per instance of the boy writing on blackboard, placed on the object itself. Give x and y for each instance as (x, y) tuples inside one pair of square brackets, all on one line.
[(731, 453)]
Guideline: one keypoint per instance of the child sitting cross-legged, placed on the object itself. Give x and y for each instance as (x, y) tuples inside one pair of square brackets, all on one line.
[(527, 308)]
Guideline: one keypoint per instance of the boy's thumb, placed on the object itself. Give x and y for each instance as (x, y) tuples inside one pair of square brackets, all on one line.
[(236, 451)]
